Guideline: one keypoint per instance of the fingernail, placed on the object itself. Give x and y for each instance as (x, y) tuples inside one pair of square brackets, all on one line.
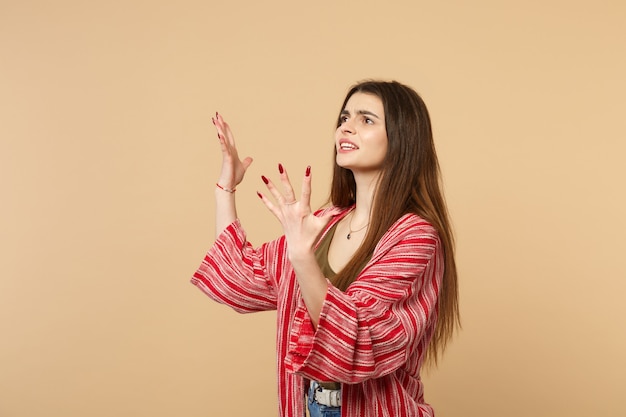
[(213, 120), (265, 180), (216, 115), (308, 170), (219, 137), (280, 168), (259, 194)]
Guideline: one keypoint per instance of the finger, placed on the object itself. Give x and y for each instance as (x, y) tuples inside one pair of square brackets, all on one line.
[(224, 135), (227, 150), (229, 134), (224, 129), (218, 123), (270, 206), (290, 195), (331, 212), (220, 138), (305, 197), (272, 189), (246, 163), (280, 198), (327, 217)]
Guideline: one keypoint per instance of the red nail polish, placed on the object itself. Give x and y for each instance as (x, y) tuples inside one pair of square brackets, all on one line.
[(216, 115), (213, 120), (259, 194), (308, 170), (280, 168), (265, 180)]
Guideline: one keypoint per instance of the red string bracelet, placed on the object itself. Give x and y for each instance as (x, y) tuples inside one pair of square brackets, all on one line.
[(228, 190)]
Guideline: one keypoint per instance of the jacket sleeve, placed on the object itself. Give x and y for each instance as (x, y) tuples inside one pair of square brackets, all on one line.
[(370, 330), (236, 274)]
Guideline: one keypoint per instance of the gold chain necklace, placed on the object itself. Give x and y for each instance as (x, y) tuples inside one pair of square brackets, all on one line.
[(349, 235)]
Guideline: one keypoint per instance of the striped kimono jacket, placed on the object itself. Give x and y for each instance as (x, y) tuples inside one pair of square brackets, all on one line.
[(371, 338)]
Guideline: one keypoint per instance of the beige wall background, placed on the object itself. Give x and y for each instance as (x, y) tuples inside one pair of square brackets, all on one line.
[(108, 159)]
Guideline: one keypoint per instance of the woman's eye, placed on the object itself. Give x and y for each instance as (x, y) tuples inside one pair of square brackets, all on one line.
[(369, 121), (343, 119)]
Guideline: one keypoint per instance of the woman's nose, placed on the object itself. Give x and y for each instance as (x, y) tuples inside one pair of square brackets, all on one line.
[(347, 127)]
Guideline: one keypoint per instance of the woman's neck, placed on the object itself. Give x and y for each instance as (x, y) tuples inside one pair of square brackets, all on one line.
[(365, 189)]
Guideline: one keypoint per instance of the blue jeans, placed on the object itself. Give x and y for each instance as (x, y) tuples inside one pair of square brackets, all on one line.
[(320, 410)]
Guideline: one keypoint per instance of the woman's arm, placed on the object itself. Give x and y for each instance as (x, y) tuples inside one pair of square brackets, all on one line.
[(313, 284), (231, 175), (236, 274), (302, 229), (384, 319), (233, 272)]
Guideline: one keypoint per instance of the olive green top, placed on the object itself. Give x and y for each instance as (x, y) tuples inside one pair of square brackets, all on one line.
[(321, 254)]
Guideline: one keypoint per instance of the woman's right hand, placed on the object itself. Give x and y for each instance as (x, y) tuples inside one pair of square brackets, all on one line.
[(233, 168)]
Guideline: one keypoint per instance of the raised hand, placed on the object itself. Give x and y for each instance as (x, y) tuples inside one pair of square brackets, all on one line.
[(300, 226), (233, 168), (232, 173)]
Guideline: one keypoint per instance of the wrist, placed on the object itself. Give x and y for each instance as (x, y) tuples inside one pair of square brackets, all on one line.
[(301, 256), (225, 188)]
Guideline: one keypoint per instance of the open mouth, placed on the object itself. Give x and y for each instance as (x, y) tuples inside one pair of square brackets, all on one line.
[(347, 146)]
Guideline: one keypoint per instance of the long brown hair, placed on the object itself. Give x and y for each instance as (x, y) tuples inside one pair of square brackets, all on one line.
[(409, 183)]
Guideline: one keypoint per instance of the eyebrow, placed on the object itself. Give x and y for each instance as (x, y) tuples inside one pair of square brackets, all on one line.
[(363, 112)]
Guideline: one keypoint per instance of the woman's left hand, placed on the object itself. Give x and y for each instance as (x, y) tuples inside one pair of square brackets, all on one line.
[(301, 227)]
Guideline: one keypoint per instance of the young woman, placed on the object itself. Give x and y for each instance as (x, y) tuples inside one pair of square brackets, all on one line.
[(366, 289)]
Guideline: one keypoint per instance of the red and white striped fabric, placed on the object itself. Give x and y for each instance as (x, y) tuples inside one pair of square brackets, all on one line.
[(371, 338)]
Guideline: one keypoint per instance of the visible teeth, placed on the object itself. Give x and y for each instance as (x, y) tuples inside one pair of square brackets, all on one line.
[(347, 146)]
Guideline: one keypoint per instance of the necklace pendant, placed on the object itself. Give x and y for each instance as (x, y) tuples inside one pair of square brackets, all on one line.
[(349, 236)]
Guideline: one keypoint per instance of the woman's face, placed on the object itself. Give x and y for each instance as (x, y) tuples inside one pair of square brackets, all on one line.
[(361, 139)]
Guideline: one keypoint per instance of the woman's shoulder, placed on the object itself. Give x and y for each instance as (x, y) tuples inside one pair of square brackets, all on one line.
[(410, 226), (411, 236), (412, 221)]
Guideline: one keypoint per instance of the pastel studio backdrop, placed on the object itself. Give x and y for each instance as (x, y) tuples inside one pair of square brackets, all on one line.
[(108, 161)]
